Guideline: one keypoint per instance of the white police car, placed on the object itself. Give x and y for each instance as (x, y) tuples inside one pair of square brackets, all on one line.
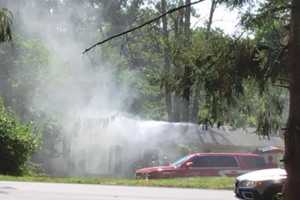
[(260, 185)]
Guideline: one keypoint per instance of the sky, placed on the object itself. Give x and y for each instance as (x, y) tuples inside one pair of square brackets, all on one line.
[(224, 18)]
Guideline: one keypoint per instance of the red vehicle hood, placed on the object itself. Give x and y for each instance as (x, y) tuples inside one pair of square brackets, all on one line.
[(155, 169)]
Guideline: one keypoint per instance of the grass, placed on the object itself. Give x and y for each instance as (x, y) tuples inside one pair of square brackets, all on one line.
[(195, 182)]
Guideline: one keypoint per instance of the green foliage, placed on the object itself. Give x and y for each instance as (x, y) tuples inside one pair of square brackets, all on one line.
[(223, 67), (5, 25), (270, 26), (279, 196), (264, 111), (17, 143), (234, 3), (51, 136)]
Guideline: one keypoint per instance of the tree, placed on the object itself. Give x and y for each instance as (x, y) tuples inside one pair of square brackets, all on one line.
[(198, 84), (17, 140), (167, 62), (5, 25), (17, 144), (174, 60), (186, 79), (292, 135)]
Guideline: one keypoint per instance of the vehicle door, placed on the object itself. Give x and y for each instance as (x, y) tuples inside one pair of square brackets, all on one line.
[(227, 165), (200, 166), (250, 163)]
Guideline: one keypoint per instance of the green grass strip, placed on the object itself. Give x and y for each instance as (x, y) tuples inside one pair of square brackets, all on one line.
[(195, 182)]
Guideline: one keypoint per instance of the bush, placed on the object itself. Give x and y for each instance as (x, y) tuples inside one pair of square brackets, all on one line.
[(279, 197), (17, 143)]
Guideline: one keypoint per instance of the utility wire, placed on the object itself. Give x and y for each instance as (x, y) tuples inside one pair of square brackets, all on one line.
[(142, 25)]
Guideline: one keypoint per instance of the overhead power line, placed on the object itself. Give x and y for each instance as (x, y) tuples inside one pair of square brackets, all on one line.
[(142, 25)]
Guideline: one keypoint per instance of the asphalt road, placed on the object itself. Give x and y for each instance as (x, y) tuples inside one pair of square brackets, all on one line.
[(48, 191)]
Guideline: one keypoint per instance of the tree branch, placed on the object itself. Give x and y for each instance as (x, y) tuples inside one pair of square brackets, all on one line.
[(142, 25), (284, 80), (282, 86)]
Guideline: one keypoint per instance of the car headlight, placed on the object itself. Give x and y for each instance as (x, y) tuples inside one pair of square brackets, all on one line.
[(250, 184)]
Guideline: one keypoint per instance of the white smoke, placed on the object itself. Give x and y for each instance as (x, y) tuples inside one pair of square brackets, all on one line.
[(82, 91), (87, 96)]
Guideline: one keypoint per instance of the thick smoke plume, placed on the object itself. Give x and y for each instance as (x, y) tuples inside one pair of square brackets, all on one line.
[(89, 100), (82, 92)]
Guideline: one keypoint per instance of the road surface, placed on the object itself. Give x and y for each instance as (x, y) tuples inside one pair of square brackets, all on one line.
[(49, 191)]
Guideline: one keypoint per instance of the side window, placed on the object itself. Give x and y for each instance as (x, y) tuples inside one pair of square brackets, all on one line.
[(201, 161), (253, 162), (225, 161), (214, 161)]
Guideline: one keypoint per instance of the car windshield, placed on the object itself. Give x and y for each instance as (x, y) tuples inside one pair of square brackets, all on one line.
[(179, 162)]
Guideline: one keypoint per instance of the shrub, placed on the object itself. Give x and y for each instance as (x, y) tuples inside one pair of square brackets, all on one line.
[(17, 143), (279, 197)]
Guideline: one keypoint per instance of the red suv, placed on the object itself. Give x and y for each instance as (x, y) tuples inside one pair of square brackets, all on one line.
[(206, 164)]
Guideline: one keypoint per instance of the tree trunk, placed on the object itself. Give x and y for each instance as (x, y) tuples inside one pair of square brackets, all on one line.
[(187, 81), (176, 96), (197, 86), (211, 15), (195, 102), (292, 136), (167, 62)]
